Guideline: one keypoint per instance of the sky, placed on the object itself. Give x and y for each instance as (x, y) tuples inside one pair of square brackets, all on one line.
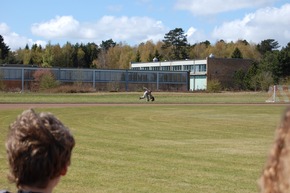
[(135, 21)]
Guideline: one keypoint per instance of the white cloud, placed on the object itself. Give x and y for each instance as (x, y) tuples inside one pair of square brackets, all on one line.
[(14, 40), (194, 35), (205, 7), (128, 29), (255, 27), (4, 29), (56, 28), (190, 31)]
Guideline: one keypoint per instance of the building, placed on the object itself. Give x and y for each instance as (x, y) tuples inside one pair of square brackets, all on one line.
[(201, 71)]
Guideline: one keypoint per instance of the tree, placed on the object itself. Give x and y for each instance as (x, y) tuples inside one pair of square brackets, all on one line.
[(239, 79), (206, 43), (267, 45), (237, 53), (127, 54), (102, 61), (157, 55), (198, 51), (150, 58), (138, 57), (176, 41), (4, 49), (105, 45), (26, 47), (36, 54), (284, 59), (91, 53), (271, 64), (67, 52), (57, 56), (245, 42), (265, 80), (251, 81), (220, 49), (146, 49), (81, 57)]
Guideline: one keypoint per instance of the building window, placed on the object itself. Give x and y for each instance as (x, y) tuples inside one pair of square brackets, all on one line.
[(156, 68), (176, 68), (165, 68), (201, 68), (188, 67)]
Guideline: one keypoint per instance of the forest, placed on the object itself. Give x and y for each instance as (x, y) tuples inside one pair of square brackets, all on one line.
[(271, 62)]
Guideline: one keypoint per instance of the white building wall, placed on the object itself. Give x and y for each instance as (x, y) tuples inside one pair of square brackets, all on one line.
[(197, 70)]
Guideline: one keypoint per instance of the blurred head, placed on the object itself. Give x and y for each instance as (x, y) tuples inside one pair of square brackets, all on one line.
[(276, 174), (39, 149)]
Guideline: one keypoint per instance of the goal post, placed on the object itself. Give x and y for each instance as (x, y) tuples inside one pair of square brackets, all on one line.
[(279, 93)]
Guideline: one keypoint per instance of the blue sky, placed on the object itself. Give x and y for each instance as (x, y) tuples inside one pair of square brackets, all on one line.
[(136, 21)]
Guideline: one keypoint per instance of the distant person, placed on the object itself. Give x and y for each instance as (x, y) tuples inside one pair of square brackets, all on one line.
[(147, 94), (39, 151), (275, 177)]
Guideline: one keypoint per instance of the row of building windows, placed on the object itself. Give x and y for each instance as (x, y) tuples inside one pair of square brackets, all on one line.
[(192, 68)]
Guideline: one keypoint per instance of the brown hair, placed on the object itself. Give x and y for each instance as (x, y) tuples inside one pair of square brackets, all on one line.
[(276, 174), (39, 147)]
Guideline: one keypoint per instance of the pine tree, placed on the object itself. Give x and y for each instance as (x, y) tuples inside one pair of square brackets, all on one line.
[(176, 41), (4, 49), (237, 53)]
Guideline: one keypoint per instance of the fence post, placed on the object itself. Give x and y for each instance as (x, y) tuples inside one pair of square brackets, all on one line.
[(22, 80), (157, 81), (126, 81), (94, 79)]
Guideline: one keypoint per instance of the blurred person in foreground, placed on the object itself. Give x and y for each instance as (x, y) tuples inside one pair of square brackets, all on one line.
[(275, 177), (39, 150)]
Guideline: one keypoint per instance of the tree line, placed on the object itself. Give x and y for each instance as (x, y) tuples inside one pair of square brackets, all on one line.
[(271, 63)]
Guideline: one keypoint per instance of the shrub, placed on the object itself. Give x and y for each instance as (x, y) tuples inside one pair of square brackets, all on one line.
[(265, 80), (113, 86), (67, 88), (47, 82), (214, 86), (44, 79)]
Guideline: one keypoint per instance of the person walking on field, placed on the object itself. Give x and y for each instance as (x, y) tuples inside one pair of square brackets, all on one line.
[(147, 94), (39, 151)]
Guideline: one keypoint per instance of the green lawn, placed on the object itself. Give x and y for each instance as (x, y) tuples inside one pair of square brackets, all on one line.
[(133, 97), (162, 148)]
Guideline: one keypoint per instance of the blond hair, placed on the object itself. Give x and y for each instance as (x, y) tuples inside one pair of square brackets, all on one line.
[(38, 147), (275, 177)]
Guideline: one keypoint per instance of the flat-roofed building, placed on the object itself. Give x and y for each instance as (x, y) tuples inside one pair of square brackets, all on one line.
[(200, 71)]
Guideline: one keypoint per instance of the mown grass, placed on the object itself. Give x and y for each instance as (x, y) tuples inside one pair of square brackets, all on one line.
[(162, 148), (133, 97)]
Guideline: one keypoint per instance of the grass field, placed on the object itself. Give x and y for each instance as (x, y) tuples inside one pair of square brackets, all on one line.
[(132, 97), (160, 148)]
